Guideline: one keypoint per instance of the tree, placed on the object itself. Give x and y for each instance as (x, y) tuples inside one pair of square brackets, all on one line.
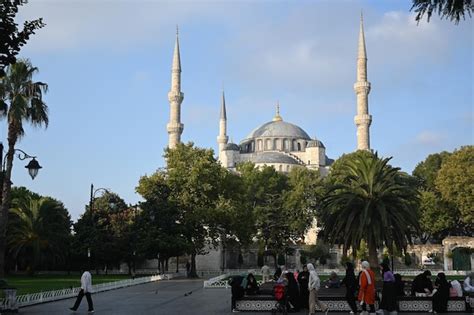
[(95, 233), (12, 39), (374, 202), (438, 218), (427, 171), (455, 182), (21, 101), (158, 232), (195, 180), (302, 198), (37, 231), (453, 10)]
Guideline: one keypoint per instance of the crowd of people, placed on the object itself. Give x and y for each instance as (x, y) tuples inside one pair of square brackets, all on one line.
[(301, 288)]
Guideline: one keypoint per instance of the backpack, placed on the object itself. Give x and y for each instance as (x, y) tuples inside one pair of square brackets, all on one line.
[(279, 292)]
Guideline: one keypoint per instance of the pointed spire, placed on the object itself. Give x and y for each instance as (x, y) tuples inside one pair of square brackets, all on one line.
[(223, 110), (362, 51), (277, 114), (176, 55)]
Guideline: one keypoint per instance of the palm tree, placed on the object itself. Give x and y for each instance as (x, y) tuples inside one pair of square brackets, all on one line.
[(21, 100), (29, 233), (373, 202)]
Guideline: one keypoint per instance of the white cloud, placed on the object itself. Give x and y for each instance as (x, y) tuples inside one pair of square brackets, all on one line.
[(79, 25), (429, 138)]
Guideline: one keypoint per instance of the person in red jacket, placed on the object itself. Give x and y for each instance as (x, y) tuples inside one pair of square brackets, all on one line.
[(367, 288)]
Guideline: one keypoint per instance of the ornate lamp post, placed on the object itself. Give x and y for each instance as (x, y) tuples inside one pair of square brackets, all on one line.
[(33, 166), (91, 205)]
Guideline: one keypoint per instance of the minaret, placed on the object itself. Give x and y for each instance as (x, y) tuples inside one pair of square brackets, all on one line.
[(362, 90), (222, 139), (175, 97)]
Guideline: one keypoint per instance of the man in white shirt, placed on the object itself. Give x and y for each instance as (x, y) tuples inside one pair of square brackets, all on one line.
[(86, 289)]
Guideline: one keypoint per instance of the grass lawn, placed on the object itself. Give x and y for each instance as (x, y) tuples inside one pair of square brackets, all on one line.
[(32, 284)]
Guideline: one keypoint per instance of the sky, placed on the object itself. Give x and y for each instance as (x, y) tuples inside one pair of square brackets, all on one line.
[(108, 67)]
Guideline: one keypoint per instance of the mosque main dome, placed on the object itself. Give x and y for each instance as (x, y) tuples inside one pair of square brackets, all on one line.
[(278, 128)]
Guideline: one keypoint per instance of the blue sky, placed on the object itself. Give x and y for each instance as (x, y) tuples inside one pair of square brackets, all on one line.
[(108, 63)]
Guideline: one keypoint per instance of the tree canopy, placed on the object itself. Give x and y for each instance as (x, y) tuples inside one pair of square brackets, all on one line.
[(11, 38), (371, 201), (454, 10)]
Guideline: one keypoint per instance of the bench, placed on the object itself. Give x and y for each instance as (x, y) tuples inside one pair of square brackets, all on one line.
[(336, 301)]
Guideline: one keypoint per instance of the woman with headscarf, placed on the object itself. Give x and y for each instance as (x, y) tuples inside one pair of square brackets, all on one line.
[(293, 292), (351, 286), (313, 286), (251, 287), (399, 285), (303, 278), (367, 287), (389, 294), (441, 294)]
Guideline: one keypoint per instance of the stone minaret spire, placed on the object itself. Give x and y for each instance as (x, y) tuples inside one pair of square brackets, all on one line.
[(222, 139), (362, 90), (175, 97)]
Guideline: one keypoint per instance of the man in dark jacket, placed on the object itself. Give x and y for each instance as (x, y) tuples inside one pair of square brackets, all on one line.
[(422, 285)]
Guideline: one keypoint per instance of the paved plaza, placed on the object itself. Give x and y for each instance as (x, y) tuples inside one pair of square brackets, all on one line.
[(179, 297)]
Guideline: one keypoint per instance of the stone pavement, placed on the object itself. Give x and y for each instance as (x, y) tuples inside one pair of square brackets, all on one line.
[(181, 297)]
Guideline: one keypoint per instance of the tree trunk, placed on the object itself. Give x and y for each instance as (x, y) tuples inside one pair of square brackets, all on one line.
[(192, 272), (6, 197), (373, 259), (177, 264)]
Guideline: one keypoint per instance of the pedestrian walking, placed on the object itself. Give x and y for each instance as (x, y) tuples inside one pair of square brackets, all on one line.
[(303, 278), (86, 289), (351, 286), (367, 288), (389, 291), (188, 268), (313, 286)]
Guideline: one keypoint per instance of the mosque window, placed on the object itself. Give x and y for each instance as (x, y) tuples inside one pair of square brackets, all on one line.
[(299, 146), (280, 168), (287, 168)]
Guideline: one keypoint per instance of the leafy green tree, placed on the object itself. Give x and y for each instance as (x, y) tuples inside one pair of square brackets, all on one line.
[(302, 198), (195, 180), (158, 229), (318, 252), (438, 217), (453, 10), (37, 231), (427, 171), (455, 182), (94, 231), (371, 201), (265, 195), (21, 101), (11, 38)]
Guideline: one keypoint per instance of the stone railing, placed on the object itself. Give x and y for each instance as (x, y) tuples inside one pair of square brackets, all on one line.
[(48, 296), (222, 281)]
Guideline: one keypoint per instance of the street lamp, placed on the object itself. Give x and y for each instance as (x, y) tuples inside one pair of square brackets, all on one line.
[(33, 166), (93, 193), (91, 205)]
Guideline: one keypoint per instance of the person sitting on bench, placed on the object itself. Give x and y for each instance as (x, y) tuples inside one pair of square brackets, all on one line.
[(422, 285)]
